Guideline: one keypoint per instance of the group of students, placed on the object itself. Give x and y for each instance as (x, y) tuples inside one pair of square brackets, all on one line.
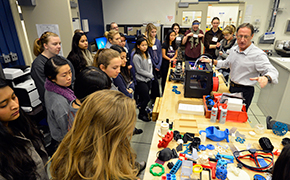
[(106, 123), (91, 125), (142, 69)]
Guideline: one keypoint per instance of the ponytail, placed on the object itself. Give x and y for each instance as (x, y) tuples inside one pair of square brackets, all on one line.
[(110, 34), (104, 56), (38, 47)]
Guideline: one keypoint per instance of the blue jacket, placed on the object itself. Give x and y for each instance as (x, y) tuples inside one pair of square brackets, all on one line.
[(156, 55), (120, 82)]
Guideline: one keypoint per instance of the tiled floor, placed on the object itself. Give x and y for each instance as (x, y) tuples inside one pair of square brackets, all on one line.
[(141, 143)]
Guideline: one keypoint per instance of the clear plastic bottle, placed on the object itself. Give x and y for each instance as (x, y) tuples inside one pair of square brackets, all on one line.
[(214, 113), (223, 114)]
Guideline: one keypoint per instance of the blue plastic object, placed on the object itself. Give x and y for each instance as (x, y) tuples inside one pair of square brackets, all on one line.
[(202, 147), (259, 177), (176, 167), (221, 172), (174, 87), (215, 134), (280, 129), (222, 162), (170, 176), (177, 92), (262, 162), (187, 151), (220, 156), (210, 102), (240, 140), (210, 147)]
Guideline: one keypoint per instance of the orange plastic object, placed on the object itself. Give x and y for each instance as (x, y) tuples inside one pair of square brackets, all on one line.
[(165, 140), (215, 84), (234, 116)]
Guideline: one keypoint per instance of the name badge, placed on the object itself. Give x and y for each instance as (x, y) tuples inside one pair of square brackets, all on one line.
[(154, 47), (171, 48), (178, 38), (214, 39), (195, 35), (149, 61)]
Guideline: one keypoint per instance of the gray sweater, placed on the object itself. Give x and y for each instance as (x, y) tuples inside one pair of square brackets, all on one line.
[(143, 68), (71, 115), (57, 108), (37, 74)]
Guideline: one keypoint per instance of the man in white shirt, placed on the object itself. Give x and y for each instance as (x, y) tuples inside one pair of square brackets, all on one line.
[(248, 65)]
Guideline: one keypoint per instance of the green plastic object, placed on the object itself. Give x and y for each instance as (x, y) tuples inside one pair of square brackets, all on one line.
[(156, 165)]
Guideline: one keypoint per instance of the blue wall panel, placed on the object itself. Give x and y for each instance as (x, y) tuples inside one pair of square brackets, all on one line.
[(93, 11), (9, 41)]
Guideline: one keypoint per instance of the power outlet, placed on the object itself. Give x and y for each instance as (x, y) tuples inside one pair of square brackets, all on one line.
[(13, 56), (5, 58)]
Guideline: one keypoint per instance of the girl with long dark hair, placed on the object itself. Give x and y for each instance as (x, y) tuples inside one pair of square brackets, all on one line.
[(80, 56), (144, 75), (123, 81), (175, 27), (213, 37), (22, 151), (169, 54)]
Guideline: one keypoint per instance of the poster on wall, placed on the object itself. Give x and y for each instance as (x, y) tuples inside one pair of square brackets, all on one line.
[(189, 16), (169, 19), (41, 28)]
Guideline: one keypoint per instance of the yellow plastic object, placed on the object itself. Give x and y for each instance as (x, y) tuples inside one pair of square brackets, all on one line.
[(197, 166)]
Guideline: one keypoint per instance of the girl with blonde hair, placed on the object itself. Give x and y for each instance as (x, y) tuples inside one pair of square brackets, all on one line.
[(109, 61), (113, 37), (98, 145), (45, 47), (225, 44), (155, 52), (223, 50)]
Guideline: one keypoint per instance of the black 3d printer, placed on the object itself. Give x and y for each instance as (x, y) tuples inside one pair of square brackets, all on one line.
[(199, 79)]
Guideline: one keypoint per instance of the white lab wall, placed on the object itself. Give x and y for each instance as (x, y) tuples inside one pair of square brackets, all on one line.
[(139, 11), (50, 12)]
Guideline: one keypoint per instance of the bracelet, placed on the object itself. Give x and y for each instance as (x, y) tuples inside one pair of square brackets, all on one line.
[(157, 165), (197, 166), (269, 78)]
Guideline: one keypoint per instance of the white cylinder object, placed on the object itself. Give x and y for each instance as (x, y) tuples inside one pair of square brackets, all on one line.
[(164, 128), (203, 137)]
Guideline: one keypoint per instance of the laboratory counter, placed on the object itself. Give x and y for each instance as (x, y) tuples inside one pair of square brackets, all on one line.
[(193, 124)]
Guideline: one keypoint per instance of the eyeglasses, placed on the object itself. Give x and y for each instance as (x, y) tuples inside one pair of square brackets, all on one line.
[(245, 37)]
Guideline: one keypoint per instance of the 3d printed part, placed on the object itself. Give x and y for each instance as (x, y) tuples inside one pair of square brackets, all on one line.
[(216, 135)]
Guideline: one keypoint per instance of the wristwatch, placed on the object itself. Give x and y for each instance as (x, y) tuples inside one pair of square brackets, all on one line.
[(269, 78)]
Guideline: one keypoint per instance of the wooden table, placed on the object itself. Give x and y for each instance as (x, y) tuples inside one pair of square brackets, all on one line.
[(194, 123)]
